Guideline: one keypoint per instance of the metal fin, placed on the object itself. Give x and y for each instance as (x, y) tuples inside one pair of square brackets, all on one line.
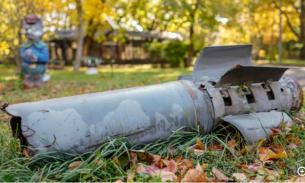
[(214, 61), (256, 126), (240, 74)]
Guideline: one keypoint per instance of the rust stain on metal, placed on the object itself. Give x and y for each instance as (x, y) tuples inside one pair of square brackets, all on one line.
[(301, 96), (192, 93), (235, 67), (299, 99), (53, 143)]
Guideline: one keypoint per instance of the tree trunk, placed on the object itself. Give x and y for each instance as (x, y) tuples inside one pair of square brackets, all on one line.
[(191, 47), (88, 46), (302, 35), (80, 37)]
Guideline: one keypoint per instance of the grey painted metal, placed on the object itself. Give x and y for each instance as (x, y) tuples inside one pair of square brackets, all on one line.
[(185, 77), (255, 74), (79, 124), (214, 61), (255, 126)]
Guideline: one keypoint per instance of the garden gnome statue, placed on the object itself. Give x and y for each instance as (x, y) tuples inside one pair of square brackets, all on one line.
[(34, 53)]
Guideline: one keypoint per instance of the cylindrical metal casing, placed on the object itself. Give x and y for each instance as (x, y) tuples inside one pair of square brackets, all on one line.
[(80, 124)]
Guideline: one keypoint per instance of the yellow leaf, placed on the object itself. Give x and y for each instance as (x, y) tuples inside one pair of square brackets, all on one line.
[(266, 154)]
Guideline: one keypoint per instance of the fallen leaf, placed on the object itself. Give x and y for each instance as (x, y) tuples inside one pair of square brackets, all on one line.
[(277, 148), (115, 159), (74, 165), (254, 167), (292, 146), (240, 176), (133, 156), (119, 181), (282, 154), (185, 165), (293, 139), (195, 175), (231, 144), (140, 168), (215, 146), (25, 153), (276, 130), (220, 176), (151, 169), (266, 154), (165, 175), (199, 145), (273, 172), (171, 166), (99, 163), (131, 176), (198, 152)]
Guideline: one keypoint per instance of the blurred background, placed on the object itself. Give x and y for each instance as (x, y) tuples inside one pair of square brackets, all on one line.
[(167, 33)]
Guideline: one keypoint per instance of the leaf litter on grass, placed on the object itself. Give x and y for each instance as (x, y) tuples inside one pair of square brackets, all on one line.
[(191, 157), (267, 160)]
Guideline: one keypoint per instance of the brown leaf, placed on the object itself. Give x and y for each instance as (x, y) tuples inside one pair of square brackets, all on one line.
[(165, 175), (195, 175), (199, 145), (74, 164), (220, 176), (266, 154), (231, 145), (276, 130), (240, 176), (115, 159), (198, 152), (277, 148), (134, 157), (185, 165), (293, 139), (254, 168), (215, 146), (99, 163), (292, 146), (282, 154), (140, 169), (171, 166), (25, 153)]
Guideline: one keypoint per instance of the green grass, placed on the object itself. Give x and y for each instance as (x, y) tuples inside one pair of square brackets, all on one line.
[(67, 83), (14, 166)]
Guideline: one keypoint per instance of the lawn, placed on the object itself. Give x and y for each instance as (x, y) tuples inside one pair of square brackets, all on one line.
[(189, 156)]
